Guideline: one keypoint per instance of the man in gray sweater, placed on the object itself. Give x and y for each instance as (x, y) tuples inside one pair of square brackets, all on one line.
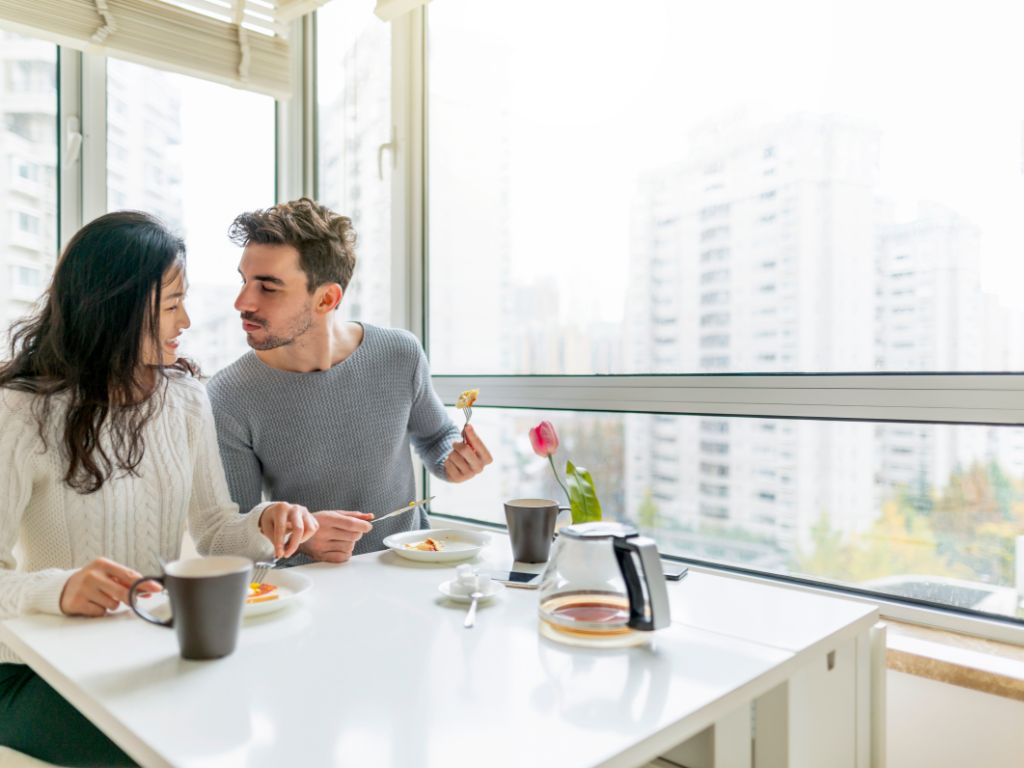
[(322, 412)]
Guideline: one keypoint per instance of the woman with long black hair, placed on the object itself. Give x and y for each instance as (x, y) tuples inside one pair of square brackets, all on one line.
[(107, 450)]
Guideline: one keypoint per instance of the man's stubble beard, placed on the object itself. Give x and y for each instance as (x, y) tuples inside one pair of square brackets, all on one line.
[(299, 325)]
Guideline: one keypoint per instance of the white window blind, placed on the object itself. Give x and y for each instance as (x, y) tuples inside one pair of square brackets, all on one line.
[(236, 42)]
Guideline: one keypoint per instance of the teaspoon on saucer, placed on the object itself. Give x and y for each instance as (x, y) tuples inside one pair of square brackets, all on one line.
[(471, 613)]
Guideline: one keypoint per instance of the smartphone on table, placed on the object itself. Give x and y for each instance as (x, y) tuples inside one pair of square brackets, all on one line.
[(673, 571), (520, 579)]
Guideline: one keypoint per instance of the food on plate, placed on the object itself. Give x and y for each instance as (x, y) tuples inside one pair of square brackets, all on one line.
[(467, 398), (427, 545), (262, 593)]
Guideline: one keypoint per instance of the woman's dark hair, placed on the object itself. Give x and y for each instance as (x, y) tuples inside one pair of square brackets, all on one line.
[(85, 343)]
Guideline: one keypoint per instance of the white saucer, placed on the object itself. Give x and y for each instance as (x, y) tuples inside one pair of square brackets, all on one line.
[(492, 589)]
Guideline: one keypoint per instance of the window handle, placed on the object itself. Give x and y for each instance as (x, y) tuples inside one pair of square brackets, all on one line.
[(389, 146), (74, 139)]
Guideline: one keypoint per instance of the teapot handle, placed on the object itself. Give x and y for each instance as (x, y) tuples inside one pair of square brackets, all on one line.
[(659, 614)]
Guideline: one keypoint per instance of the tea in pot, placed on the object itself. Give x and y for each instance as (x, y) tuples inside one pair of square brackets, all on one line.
[(593, 593)]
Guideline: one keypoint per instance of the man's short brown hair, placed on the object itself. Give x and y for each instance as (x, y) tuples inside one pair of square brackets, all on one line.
[(326, 241)]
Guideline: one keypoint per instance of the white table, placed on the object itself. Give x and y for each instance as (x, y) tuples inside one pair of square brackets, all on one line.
[(374, 668)]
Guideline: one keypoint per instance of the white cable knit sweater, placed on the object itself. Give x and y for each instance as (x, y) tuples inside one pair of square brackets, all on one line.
[(135, 520)]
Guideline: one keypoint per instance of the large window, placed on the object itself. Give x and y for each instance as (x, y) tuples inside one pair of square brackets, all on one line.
[(28, 173), (726, 187), (736, 188), (701, 239), (167, 136), (353, 122)]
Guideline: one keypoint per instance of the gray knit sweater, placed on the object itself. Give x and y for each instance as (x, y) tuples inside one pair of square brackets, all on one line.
[(335, 439)]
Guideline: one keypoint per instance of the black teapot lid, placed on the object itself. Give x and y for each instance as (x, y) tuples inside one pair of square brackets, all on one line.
[(598, 530)]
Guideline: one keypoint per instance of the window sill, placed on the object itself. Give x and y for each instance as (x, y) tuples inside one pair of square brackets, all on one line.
[(982, 665)]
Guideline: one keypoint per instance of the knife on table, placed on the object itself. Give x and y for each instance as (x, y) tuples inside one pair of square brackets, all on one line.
[(400, 510)]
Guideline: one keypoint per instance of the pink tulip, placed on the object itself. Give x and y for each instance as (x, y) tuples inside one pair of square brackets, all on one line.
[(544, 439)]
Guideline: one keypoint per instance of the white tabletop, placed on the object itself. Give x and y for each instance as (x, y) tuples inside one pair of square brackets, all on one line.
[(781, 616), (374, 668)]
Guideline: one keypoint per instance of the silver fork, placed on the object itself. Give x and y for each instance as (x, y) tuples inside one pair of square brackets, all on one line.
[(261, 569), (468, 413)]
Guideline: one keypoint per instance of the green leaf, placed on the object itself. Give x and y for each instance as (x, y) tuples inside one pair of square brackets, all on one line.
[(582, 495)]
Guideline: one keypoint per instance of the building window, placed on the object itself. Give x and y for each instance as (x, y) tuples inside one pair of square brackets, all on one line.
[(30, 278), (27, 223)]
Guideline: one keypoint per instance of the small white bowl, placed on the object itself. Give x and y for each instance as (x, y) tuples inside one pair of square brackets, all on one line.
[(450, 589)]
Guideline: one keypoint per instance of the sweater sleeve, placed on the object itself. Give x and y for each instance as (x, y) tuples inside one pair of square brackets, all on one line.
[(21, 593), (241, 465), (213, 519), (431, 431)]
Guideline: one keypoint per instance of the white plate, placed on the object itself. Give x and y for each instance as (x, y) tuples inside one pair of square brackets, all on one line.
[(458, 545), (289, 586), (493, 588)]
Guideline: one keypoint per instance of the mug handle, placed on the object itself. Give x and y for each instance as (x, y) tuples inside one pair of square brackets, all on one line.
[(133, 592), (647, 551), (565, 521)]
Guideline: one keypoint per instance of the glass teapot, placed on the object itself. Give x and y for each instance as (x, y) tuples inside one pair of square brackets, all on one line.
[(592, 593)]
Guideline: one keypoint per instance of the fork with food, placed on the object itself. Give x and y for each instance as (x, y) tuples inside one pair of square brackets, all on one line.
[(468, 456), (465, 404)]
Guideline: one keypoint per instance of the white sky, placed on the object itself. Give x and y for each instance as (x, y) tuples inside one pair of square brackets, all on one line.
[(227, 168), (600, 90)]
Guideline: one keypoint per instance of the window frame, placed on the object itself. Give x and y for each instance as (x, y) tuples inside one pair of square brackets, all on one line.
[(947, 398), (82, 133)]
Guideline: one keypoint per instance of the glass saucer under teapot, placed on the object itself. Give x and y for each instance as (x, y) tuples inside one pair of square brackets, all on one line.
[(603, 587)]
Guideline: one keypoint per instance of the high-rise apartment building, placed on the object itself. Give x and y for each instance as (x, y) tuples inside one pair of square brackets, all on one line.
[(930, 312), (756, 255), (28, 173), (929, 297), (933, 315)]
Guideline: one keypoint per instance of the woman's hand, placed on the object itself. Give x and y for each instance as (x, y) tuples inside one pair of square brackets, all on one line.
[(99, 587), (281, 519), (338, 534)]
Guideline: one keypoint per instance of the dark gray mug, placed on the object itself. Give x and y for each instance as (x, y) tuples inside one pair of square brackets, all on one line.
[(531, 526), (207, 595)]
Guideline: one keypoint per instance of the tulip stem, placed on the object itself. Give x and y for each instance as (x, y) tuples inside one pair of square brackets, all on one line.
[(551, 459)]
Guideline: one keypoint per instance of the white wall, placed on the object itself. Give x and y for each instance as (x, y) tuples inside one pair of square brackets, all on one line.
[(935, 725)]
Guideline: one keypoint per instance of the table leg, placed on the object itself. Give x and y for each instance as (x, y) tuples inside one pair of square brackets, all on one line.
[(726, 744), (771, 728)]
